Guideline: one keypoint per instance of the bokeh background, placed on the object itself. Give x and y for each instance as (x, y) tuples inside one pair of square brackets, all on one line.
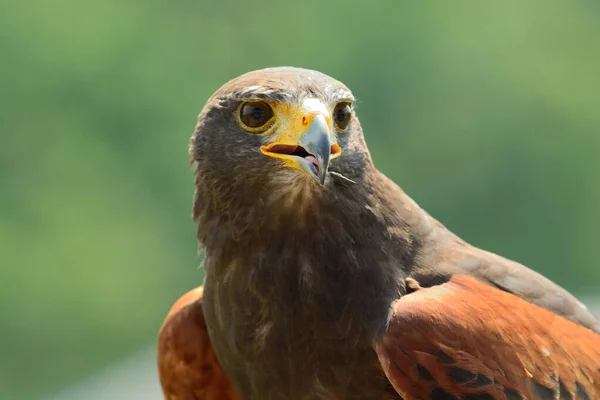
[(486, 113)]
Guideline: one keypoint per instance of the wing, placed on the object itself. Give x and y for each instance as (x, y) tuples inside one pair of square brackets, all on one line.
[(519, 280), (467, 340), (443, 254), (187, 365)]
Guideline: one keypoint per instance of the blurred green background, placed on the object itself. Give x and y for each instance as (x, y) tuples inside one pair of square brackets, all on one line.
[(486, 113)]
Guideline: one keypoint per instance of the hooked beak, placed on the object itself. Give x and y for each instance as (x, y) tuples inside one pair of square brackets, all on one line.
[(317, 141), (313, 151)]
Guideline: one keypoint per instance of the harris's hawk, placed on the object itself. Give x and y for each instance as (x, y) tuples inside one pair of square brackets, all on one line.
[(324, 280)]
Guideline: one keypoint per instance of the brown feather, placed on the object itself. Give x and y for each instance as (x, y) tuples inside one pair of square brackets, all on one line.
[(300, 276), (466, 339), (187, 365)]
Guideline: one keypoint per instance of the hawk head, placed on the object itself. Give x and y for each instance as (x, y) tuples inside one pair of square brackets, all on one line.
[(275, 139)]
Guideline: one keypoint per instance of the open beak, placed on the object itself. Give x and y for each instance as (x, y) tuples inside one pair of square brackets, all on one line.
[(313, 151)]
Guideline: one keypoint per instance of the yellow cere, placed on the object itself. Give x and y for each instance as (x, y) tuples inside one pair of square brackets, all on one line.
[(292, 121)]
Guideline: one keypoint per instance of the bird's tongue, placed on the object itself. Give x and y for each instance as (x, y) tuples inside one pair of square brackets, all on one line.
[(313, 160)]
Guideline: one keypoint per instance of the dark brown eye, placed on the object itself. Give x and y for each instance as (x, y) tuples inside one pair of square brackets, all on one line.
[(255, 114), (342, 113)]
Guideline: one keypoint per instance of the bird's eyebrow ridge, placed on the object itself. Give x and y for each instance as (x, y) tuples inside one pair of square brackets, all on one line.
[(267, 93), (260, 93), (343, 95)]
